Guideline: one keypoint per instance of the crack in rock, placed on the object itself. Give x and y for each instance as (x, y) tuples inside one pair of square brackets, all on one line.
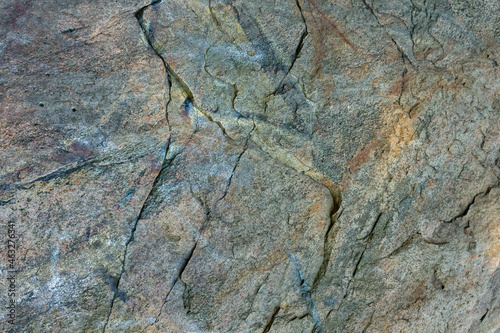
[(271, 321), (182, 266), (276, 152), (116, 292)]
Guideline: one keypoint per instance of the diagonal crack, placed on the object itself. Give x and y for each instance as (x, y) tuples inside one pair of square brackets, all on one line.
[(298, 49), (271, 321), (302, 37), (357, 265), (368, 239), (132, 233), (182, 266)]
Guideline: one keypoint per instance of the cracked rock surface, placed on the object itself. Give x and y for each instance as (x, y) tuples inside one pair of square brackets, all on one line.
[(251, 166)]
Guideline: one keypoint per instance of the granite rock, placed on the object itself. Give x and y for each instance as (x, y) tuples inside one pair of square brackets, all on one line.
[(251, 166)]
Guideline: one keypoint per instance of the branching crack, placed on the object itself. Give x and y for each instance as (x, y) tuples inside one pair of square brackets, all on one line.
[(245, 147), (156, 46), (368, 239), (400, 50), (165, 162), (261, 140)]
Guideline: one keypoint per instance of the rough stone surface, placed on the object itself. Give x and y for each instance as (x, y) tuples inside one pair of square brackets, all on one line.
[(251, 166)]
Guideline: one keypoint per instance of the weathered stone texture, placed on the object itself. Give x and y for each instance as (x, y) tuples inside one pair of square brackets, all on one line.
[(252, 166)]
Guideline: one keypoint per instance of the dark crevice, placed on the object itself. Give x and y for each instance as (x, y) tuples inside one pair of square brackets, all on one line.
[(357, 265), (484, 315), (271, 321), (298, 49), (5, 202), (70, 169), (465, 211), (235, 94), (61, 172), (370, 234), (186, 260), (182, 266)]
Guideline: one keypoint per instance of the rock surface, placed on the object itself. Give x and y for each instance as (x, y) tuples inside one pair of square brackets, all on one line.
[(251, 166)]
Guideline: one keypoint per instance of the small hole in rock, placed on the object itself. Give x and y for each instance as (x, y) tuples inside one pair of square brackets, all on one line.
[(41, 105), (73, 109)]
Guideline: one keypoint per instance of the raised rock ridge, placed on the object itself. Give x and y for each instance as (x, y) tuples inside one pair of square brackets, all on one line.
[(251, 166)]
